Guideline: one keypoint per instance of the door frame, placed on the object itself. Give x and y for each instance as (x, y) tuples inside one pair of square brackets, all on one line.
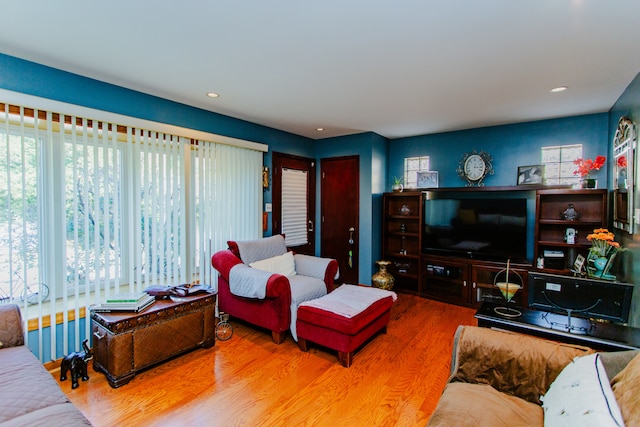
[(324, 199), (282, 160)]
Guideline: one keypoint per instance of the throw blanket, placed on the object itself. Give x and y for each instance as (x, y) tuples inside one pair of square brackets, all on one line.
[(256, 250), (245, 281), (350, 300)]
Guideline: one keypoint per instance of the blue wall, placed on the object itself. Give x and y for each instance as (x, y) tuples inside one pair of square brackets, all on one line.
[(34, 79), (33, 339), (510, 145), (372, 150), (628, 105)]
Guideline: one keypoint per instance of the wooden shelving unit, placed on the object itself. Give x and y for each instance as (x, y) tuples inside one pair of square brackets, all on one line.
[(402, 237), (551, 227)]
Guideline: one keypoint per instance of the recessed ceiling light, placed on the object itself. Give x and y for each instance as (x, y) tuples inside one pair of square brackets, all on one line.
[(559, 89), (212, 95), (320, 129)]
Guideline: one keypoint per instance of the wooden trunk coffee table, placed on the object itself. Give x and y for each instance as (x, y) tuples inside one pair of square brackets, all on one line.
[(125, 342)]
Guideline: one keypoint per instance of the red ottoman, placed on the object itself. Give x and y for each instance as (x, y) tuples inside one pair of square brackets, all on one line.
[(344, 319)]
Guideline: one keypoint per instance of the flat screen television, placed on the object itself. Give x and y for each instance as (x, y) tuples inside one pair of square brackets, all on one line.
[(580, 297), (485, 227)]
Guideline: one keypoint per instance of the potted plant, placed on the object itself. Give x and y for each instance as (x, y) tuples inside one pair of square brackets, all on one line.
[(585, 167), (397, 184)]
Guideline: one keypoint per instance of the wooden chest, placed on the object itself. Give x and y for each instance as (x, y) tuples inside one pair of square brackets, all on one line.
[(125, 343)]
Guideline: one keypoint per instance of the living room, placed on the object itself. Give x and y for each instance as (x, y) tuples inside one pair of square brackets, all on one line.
[(513, 144)]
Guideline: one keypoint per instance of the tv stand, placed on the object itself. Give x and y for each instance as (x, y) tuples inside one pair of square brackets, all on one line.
[(469, 281), (569, 327), (597, 335)]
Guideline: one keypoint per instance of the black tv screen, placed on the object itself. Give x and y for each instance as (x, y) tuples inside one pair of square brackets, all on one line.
[(489, 228)]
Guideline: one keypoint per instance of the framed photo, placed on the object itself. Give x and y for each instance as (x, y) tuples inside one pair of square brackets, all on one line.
[(531, 175), (578, 264), (428, 179)]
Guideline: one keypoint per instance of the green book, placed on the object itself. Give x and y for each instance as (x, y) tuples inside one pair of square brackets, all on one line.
[(127, 297)]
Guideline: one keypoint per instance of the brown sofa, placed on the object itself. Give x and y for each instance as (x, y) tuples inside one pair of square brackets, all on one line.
[(498, 379), (29, 395)]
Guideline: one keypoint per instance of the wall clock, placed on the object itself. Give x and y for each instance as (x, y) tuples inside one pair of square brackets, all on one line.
[(474, 167)]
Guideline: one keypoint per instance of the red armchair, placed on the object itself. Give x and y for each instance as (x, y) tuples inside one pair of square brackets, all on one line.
[(313, 278)]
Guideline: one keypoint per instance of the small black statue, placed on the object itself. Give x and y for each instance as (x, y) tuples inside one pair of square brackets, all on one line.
[(77, 363)]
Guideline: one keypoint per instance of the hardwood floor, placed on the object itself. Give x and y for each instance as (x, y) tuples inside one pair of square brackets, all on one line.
[(395, 380)]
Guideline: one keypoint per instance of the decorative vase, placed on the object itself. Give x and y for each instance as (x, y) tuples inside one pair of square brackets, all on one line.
[(383, 279), (397, 188), (600, 263), (589, 183)]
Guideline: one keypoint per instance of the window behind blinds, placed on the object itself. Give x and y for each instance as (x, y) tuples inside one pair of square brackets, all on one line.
[(90, 208), (294, 206)]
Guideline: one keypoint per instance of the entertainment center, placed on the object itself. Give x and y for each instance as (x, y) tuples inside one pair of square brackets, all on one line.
[(454, 244), (449, 244)]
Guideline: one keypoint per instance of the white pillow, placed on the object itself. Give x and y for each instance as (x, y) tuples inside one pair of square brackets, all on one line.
[(581, 396), (282, 264)]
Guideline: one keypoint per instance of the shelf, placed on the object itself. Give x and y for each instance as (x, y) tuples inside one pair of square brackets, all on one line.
[(565, 223), (411, 217), (405, 276), (564, 271), (563, 244), (401, 256), (550, 227), (401, 234), (561, 188), (409, 240)]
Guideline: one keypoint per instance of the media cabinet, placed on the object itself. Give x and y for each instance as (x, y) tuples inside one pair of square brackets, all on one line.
[(598, 335), (466, 280)]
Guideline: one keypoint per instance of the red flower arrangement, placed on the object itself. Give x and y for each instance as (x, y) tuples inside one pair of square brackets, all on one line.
[(586, 166), (622, 161)]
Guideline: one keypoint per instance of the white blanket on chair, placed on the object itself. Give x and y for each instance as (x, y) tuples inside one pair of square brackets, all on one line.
[(349, 300), (245, 281)]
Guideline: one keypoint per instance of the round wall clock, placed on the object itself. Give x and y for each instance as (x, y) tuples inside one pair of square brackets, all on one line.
[(474, 167)]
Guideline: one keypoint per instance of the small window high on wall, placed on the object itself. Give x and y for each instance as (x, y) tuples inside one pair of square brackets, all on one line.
[(413, 165), (558, 164)]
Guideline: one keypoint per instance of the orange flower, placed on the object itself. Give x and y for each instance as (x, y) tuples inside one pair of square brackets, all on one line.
[(588, 165), (602, 242)]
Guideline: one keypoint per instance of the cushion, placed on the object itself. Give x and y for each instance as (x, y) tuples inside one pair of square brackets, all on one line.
[(626, 389), (474, 405), (254, 250), (581, 395), (517, 364), (281, 264)]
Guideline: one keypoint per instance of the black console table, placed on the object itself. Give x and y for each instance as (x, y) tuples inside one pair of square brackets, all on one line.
[(597, 335)]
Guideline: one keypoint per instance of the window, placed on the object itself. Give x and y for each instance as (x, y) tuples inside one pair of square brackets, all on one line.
[(558, 164), (294, 206), (413, 165), (89, 208)]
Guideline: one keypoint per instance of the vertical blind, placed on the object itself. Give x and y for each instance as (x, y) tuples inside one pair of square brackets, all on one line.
[(89, 208), (294, 206)]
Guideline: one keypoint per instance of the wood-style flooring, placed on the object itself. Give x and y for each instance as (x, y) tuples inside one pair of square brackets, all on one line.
[(395, 380)]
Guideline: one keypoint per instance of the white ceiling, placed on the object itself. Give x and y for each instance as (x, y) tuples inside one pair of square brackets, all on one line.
[(397, 68)]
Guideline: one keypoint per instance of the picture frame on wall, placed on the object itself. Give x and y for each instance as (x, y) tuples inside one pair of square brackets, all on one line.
[(428, 179), (531, 175)]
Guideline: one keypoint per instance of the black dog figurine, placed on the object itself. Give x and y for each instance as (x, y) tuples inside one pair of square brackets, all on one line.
[(77, 363)]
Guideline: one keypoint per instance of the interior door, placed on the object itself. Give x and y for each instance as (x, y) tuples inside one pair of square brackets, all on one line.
[(340, 189), (294, 201)]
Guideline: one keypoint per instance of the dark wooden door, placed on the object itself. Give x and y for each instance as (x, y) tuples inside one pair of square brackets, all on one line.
[(284, 161), (340, 207)]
